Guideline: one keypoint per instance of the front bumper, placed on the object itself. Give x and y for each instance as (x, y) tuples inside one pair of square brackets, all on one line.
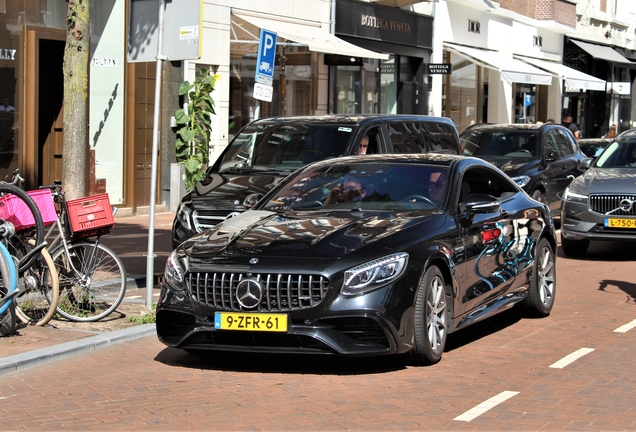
[(580, 223), (356, 326)]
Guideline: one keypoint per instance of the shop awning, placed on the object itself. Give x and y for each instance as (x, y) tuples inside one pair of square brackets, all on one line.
[(573, 78), (316, 38), (511, 70), (601, 52)]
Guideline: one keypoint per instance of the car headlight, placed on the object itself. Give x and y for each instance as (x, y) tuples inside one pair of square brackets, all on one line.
[(521, 180), (184, 213), (374, 274), (173, 274), (573, 196)]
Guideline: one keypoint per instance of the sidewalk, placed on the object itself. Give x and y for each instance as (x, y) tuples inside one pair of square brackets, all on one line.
[(129, 239)]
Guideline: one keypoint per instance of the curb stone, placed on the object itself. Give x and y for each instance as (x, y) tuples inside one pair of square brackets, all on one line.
[(67, 349)]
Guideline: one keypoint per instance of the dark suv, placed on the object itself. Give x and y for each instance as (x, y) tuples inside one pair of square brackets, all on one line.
[(542, 159), (267, 150)]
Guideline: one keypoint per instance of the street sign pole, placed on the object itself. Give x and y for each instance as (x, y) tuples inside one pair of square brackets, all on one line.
[(150, 259)]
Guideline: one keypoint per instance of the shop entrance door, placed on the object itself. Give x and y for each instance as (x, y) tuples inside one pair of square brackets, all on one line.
[(43, 97)]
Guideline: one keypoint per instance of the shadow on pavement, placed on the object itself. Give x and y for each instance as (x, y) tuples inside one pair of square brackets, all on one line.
[(281, 363)]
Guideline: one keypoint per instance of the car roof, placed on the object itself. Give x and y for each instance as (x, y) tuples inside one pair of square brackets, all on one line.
[(354, 119), (502, 127), (628, 134), (424, 158)]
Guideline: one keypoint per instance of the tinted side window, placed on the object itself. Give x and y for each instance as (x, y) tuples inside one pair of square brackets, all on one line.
[(483, 181), (423, 137), (401, 137), (567, 146), (550, 143)]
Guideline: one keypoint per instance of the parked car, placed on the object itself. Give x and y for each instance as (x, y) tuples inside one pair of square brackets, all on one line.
[(599, 205), (363, 255), (267, 150), (593, 147), (542, 159)]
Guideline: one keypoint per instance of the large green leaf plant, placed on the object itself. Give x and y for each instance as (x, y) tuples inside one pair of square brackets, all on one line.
[(194, 126)]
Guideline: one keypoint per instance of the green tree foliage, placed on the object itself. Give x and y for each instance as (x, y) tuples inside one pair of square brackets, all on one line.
[(76, 61), (195, 126)]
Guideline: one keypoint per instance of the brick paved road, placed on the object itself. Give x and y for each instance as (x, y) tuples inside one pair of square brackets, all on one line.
[(143, 385)]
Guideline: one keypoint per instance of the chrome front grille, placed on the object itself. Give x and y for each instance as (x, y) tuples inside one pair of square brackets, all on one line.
[(604, 204), (281, 292), (206, 219)]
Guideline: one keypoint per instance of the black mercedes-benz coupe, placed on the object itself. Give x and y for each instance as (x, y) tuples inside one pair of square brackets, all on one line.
[(599, 205), (362, 255)]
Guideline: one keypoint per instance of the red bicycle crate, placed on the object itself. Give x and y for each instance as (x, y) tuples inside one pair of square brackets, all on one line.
[(14, 210), (91, 215)]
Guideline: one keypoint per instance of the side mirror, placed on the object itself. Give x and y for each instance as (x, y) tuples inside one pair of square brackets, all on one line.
[(251, 200), (482, 203), (586, 163)]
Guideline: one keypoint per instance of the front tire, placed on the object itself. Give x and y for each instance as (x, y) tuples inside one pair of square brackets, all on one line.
[(431, 317), (542, 287)]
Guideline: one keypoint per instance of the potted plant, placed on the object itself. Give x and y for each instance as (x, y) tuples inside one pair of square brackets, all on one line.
[(194, 126)]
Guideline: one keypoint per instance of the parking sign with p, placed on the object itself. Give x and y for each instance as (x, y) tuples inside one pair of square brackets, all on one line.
[(266, 57)]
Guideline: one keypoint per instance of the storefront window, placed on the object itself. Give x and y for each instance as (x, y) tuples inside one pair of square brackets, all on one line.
[(525, 103), (347, 90), (461, 104), (388, 87)]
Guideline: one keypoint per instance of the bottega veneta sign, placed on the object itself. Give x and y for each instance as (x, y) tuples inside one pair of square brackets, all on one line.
[(439, 68), (385, 24)]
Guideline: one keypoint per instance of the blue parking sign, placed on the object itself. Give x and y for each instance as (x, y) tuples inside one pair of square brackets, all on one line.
[(266, 55)]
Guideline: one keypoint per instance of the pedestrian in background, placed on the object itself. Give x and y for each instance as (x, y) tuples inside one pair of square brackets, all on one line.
[(568, 123), (612, 133)]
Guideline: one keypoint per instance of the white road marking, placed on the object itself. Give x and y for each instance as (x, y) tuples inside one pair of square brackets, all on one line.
[(626, 327), (133, 297), (571, 358), (485, 406), (156, 294)]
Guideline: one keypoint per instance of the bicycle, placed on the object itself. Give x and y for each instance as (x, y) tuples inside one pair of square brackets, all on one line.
[(92, 277), (8, 289), (37, 282)]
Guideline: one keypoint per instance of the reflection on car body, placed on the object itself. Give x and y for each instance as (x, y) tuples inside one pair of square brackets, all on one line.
[(394, 270)]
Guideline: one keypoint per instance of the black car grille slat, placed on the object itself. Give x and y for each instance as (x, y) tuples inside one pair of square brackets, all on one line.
[(607, 203), (206, 219), (281, 292)]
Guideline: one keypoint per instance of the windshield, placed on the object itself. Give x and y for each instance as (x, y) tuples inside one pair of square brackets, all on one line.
[(513, 144), (376, 186), (618, 154), (285, 147)]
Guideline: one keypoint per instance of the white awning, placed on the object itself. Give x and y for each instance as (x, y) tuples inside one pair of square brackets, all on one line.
[(316, 38), (511, 70), (573, 78), (601, 52)]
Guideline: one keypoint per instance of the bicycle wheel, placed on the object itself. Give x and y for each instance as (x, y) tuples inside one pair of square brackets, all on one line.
[(92, 281), (36, 304), (18, 208), (8, 285)]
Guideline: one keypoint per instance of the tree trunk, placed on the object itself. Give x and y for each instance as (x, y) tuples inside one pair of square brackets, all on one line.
[(76, 60)]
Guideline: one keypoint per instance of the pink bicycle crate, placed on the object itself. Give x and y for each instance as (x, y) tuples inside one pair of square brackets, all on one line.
[(14, 210), (91, 215)]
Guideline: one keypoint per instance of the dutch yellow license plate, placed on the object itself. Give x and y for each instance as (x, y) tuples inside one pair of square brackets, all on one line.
[(250, 321), (620, 223)]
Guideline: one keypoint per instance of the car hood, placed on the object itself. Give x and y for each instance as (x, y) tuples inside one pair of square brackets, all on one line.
[(315, 235), (511, 166), (606, 180), (226, 191)]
